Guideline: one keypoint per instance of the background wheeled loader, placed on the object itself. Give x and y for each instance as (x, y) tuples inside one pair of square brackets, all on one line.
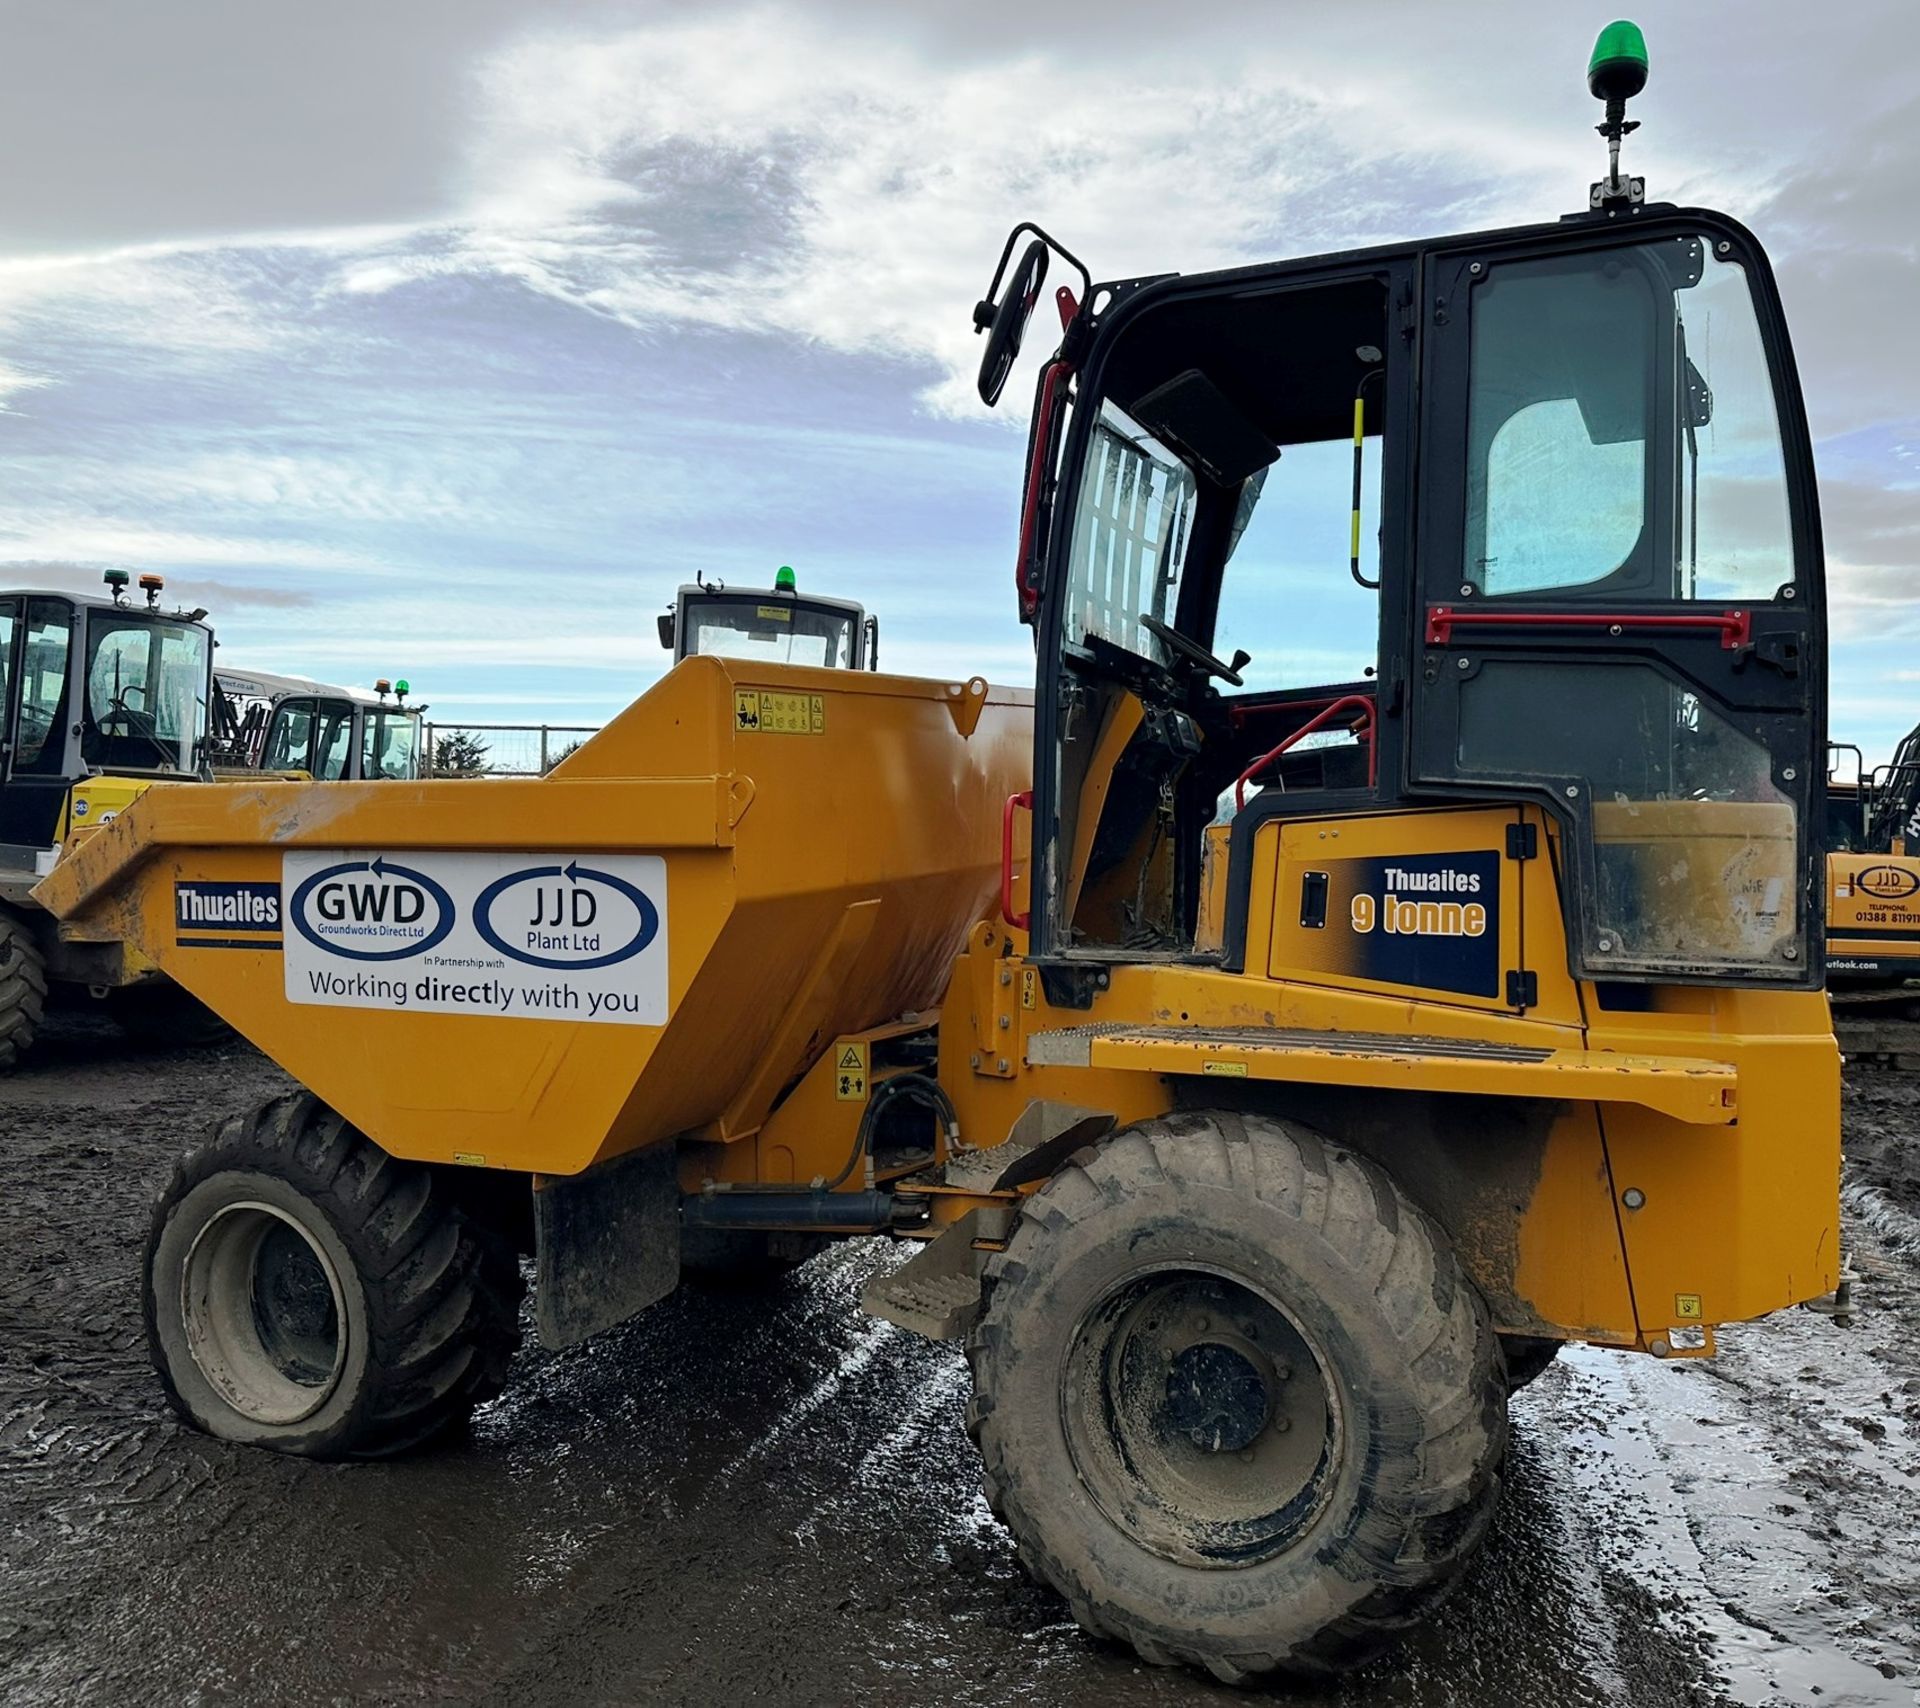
[(292, 724), (99, 698), (1264, 1066)]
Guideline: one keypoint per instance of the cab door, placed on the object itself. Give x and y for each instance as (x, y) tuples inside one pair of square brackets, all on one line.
[(38, 739), (1619, 606)]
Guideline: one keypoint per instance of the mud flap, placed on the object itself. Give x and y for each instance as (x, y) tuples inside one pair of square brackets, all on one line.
[(607, 1243)]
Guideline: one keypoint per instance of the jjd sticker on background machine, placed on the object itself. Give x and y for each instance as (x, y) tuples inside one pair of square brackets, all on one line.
[(535, 937)]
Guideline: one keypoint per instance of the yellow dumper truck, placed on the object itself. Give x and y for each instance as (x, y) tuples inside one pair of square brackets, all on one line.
[(1271, 1070)]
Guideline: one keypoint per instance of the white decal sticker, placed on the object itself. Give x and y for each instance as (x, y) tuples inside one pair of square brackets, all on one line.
[(525, 936)]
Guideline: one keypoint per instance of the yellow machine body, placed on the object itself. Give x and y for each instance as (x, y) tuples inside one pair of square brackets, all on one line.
[(826, 839), (1873, 916), (830, 846)]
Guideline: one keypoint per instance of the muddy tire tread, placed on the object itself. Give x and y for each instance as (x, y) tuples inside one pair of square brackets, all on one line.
[(443, 1291), (1319, 1185), (23, 989)]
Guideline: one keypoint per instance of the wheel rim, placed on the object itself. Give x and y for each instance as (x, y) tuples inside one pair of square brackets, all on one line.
[(1200, 1417), (264, 1316)]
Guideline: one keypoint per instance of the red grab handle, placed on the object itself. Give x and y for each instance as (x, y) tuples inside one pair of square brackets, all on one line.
[(1019, 921), (1360, 706)]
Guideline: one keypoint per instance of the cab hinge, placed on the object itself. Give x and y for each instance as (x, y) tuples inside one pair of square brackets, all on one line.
[(1523, 990), (1523, 841)]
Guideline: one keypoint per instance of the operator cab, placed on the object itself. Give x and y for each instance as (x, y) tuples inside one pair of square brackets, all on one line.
[(1526, 516), (331, 734), (90, 686), (772, 625)]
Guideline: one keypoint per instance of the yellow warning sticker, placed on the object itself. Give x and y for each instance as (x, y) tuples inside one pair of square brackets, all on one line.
[(472, 1159), (1686, 1307), (1029, 988), (773, 713), (776, 613), (1226, 1070), (850, 1072)]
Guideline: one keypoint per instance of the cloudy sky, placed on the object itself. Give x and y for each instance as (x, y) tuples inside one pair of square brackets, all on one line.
[(446, 337)]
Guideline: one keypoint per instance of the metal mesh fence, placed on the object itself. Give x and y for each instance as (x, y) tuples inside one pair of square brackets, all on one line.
[(500, 750)]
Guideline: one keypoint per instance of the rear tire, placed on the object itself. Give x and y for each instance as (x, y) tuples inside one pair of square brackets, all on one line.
[(307, 1292), (23, 989), (1235, 1399)]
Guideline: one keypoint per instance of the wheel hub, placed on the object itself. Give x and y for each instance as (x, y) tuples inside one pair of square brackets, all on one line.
[(293, 1309), (261, 1305), (1217, 1397), (1200, 1417)]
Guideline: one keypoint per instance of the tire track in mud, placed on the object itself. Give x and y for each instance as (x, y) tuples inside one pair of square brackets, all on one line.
[(772, 1497), (1767, 1500)]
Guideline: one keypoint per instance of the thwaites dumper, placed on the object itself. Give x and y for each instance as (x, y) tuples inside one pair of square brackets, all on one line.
[(99, 699), (1340, 1041)]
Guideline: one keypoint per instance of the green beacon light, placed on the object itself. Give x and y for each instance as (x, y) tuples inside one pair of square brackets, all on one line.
[(784, 581), (1615, 74), (403, 687)]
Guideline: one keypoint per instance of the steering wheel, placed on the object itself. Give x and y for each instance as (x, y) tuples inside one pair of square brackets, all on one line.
[(1191, 650)]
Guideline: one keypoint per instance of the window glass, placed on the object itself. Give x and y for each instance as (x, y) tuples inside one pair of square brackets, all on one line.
[(39, 747), (146, 693), (333, 744), (1130, 530), (289, 744), (388, 744), (1622, 434), (1560, 509), (1557, 420), (1694, 846), (1735, 538), (1288, 595), (9, 624), (774, 631)]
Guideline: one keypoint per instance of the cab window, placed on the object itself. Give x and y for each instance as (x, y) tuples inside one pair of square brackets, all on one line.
[(1622, 433), (289, 743), (39, 746)]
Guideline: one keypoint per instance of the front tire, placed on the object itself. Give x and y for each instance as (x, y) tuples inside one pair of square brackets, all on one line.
[(1235, 1399), (308, 1292), (23, 989)]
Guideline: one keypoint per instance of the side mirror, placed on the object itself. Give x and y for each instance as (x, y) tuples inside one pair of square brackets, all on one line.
[(1005, 322), (666, 630)]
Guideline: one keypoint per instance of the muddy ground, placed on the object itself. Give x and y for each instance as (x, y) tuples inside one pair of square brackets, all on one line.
[(773, 1500)]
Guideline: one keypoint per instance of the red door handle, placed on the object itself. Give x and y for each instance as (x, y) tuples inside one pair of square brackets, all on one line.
[(1019, 921)]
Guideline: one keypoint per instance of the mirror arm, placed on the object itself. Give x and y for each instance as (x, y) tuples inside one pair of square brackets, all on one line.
[(1059, 248)]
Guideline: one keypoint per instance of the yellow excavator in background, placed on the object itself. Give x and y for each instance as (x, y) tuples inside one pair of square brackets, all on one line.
[(1873, 904)]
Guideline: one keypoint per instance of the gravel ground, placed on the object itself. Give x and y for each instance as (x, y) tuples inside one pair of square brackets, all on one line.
[(772, 1499)]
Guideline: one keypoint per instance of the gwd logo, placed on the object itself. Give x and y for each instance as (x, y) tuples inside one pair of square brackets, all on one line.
[(372, 910)]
